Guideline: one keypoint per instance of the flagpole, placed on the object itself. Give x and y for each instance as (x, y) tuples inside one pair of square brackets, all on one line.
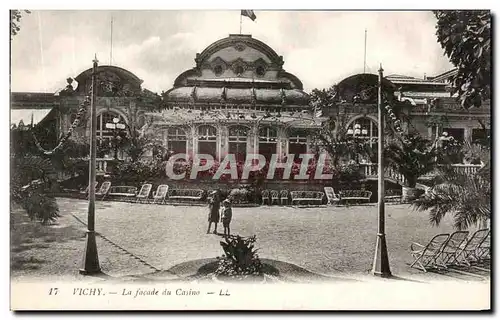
[(111, 43), (364, 60), (241, 21)]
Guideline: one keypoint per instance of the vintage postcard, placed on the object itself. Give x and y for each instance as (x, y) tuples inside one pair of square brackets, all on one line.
[(250, 160)]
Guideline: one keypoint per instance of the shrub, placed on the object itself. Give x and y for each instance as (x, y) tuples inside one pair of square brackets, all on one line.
[(239, 195), (240, 260)]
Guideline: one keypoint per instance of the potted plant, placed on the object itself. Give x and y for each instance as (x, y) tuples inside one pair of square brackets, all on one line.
[(413, 157), (240, 261)]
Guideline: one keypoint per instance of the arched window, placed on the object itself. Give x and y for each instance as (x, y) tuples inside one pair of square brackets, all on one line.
[(238, 142), (297, 142), (268, 138), (105, 118), (364, 128), (207, 140), (109, 134), (176, 140)]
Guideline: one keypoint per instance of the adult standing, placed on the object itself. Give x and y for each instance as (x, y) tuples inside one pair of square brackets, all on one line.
[(213, 210)]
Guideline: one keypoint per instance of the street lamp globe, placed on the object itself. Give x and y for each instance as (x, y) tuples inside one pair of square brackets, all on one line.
[(116, 120)]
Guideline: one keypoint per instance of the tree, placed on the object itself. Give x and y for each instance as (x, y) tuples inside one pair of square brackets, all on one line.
[(465, 195), (332, 136), (32, 178), (412, 159), (465, 37), (138, 141), (15, 20)]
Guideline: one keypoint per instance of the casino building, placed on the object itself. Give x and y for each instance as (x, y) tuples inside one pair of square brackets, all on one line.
[(238, 98)]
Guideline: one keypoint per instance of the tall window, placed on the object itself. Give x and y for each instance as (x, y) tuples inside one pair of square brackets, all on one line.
[(364, 128), (176, 140), (238, 142), (102, 119), (107, 145), (268, 138), (297, 142), (207, 140)]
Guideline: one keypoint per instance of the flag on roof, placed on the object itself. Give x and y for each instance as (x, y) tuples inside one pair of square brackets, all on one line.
[(249, 13)]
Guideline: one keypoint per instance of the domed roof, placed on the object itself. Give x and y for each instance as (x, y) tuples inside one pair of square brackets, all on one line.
[(113, 74), (238, 69), (363, 86)]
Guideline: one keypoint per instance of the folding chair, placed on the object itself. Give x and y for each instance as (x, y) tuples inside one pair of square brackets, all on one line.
[(160, 194), (86, 191), (284, 197), (265, 196), (452, 247), (103, 191), (468, 250), (426, 256), (484, 249), (143, 194), (331, 196), (275, 196)]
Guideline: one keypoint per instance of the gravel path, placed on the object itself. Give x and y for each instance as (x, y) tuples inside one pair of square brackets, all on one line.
[(327, 240), (336, 241)]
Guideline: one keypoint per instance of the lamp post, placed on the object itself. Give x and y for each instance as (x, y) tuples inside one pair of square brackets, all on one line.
[(90, 263), (381, 259), (115, 126)]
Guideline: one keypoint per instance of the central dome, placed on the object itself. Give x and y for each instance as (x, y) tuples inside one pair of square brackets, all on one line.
[(238, 69)]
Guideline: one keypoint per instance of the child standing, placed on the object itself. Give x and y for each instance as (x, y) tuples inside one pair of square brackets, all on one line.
[(226, 215)]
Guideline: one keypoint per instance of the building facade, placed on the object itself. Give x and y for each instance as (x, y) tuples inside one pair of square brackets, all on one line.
[(238, 99)]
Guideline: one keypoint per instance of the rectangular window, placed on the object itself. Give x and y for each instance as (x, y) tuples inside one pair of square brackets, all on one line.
[(481, 136), (457, 133)]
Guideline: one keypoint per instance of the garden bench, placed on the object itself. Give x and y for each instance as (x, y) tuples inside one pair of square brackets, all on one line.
[(123, 192), (185, 194), (307, 196), (355, 195), (392, 195)]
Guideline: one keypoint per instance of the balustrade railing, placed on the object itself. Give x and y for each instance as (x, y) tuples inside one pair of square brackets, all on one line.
[(101, 165), (370, 170)]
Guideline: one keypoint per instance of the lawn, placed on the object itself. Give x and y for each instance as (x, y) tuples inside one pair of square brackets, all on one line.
[(327, 240)]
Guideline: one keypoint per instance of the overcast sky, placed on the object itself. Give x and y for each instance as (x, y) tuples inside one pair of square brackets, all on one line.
[(321, 48)]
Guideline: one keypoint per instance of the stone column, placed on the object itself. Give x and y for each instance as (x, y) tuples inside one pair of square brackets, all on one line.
[(223, 139), (281, 144), (255, 139), (468, 133), (192, 146)]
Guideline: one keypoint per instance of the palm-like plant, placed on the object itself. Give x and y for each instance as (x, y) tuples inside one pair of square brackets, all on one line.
[(30, 181), (412, 159), (466, 195)]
